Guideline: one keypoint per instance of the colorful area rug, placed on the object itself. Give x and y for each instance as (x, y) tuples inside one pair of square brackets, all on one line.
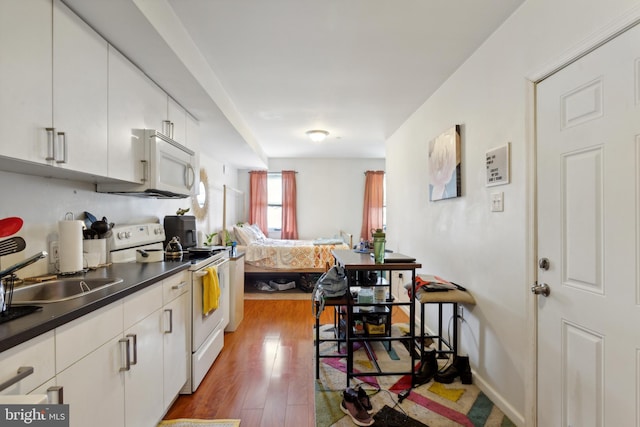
[(432, 404), (184, 422)]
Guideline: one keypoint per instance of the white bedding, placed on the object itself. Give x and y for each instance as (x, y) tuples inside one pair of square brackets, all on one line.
[(291, 254)]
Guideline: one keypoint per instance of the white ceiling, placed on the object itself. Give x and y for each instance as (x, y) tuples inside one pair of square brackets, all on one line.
[(259, 73)]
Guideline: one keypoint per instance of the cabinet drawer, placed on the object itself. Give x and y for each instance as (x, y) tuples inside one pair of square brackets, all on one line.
[(78, 338), (175, 286), (38, 353), (142, 304)]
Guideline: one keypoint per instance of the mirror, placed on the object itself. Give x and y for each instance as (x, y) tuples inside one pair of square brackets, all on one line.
[(200, 203)]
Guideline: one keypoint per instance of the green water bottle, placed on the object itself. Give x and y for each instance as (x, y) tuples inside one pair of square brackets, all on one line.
[(378, 245)]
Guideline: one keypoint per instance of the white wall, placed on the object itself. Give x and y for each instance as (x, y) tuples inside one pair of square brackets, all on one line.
[(219, 174), (42, 202), (330, 193), (461, 239)]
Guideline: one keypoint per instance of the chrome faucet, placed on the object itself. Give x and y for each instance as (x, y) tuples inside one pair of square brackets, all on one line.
[(5, 294)]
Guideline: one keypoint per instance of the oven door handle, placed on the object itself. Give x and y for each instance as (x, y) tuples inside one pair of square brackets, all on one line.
[(203, 272)]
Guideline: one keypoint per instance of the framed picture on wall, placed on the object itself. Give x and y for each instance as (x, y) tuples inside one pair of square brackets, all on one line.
[(497, 162), (445, 180)]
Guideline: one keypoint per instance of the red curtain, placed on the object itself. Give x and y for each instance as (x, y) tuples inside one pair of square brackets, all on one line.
[(258, 199), (289, 221), (373, 203)]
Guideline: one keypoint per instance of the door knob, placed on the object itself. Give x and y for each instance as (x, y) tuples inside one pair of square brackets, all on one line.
[(542, 289)]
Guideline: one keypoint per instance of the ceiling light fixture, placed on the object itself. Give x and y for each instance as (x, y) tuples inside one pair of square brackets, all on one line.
[(317, 135)]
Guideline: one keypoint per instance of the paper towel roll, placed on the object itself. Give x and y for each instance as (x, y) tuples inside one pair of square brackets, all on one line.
[(70, 246)]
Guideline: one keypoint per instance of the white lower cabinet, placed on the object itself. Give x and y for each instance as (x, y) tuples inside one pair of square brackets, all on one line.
[(94, 387), (37, 354), (176, 326), (88, 362), (175, 347), (143, 395), (123, 365)]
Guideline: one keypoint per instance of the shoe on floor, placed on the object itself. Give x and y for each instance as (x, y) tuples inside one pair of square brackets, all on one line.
[(428, 368), (351, 406), (363, 397), (459, 368)]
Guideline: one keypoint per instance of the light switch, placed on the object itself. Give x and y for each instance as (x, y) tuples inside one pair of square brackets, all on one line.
[(497, 202)]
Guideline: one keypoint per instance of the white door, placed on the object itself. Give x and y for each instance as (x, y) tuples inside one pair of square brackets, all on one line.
[(588, 142)]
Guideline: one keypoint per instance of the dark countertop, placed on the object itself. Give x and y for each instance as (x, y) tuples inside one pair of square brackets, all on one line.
[(136, 276)]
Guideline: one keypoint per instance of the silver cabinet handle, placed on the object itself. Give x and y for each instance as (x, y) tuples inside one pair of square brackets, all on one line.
[(51, 144), (190, 176), (170, 311), (145, 171), (180, 286), (135, 348), (23, 372), (127, 358), (63, 137), (55, 395)]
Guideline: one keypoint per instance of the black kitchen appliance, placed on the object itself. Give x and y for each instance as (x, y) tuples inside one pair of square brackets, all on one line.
[(183, 227)]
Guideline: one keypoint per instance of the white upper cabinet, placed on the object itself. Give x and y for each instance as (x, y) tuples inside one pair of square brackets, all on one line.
[(53, 80), (69, 101), (79, 93), (135, 102), (192, 139), (25, 78)]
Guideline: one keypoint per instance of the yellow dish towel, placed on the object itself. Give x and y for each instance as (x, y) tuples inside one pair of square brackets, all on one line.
[(210, 290)]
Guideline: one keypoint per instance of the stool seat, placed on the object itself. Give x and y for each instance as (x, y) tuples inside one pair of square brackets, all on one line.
[(451, 296)]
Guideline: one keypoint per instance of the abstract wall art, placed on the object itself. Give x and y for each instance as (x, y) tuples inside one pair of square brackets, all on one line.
[(445, 165)]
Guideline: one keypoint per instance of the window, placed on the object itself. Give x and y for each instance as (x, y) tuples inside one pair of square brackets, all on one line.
[(274, 201)]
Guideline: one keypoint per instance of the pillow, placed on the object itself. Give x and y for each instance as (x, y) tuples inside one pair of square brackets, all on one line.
[(258, 232), (244, 234)]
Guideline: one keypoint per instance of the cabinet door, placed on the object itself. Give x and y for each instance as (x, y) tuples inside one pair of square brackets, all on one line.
[(143, 382), (76, 339), (192, 139), (79, 93), (135, 102), (94, 389), (178, 117), (37, 353), (25, 78), (176, 346)]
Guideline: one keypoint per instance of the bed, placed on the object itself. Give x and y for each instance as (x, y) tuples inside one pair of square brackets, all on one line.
[(265, 255)]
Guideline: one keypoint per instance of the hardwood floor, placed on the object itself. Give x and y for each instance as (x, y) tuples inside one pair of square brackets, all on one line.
[(265, 373)]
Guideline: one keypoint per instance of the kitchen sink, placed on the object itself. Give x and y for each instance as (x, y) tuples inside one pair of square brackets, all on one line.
[(61, 289)]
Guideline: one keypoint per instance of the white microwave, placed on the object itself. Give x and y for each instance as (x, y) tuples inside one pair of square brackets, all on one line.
[(168, 169)]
